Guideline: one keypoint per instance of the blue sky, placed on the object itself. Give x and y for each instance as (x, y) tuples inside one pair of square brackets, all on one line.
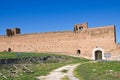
[(58, 15)]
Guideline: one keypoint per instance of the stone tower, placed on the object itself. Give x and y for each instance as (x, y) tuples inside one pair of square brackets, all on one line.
[(8, 32), (12, 32), (16, 31), (80, 27)]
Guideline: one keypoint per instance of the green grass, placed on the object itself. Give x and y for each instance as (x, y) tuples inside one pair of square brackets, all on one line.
[(38, 68), (65, 78), (99, 71), (4, 55), (9, 55)]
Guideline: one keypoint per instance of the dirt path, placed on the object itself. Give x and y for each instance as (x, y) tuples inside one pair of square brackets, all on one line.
[(62, 72)]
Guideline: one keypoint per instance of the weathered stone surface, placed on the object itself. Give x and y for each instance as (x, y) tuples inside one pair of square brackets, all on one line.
[(68, 42)]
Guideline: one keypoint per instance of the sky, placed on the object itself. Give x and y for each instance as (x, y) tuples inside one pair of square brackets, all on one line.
[(34, 16)]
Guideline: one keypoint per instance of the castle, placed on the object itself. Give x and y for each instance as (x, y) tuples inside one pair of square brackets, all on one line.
[(90, 43)]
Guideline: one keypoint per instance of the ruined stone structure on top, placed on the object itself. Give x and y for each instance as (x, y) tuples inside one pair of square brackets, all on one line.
[(12, 32), (91, 43)]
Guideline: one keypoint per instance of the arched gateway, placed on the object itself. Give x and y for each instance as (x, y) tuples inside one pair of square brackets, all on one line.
[(98, 54)]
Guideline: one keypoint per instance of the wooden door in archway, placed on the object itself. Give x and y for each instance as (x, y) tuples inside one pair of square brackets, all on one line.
[(98, 55)]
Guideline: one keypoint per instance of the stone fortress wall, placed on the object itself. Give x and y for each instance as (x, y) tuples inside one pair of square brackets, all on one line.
[(84, 39)]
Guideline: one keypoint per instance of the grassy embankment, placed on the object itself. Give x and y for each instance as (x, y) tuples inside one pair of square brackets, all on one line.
[(40, 68), (98, 71)]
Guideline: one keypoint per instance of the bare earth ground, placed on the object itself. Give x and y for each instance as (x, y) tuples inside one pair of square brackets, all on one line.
[(59, 73)]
